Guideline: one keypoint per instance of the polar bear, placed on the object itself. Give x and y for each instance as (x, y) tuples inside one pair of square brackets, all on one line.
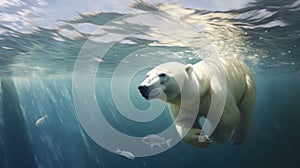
[(188, 88)]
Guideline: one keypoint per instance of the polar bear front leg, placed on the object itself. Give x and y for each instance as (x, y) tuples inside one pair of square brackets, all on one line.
[(194, 137), (192, 134)]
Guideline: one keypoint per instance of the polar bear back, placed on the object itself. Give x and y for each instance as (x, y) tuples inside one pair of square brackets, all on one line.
[(236, 73)]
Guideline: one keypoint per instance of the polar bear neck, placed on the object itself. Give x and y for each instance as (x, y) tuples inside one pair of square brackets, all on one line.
[(202, 77)]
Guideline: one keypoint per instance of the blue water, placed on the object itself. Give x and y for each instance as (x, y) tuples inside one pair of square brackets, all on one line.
[(39, 54)]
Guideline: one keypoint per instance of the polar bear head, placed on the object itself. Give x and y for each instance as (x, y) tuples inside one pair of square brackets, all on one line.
[(166, 81)]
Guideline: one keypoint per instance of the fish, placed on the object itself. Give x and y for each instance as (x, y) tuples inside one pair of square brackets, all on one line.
[(126, 154), (156, 140), (41, 120)]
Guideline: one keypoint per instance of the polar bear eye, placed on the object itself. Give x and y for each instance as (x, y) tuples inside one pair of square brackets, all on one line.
[(163, 78), (162, 75)]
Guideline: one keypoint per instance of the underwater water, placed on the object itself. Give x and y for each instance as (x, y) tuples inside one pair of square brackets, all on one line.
[(48, 47)]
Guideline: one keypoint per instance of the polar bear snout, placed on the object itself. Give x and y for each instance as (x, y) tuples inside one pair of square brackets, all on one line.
[(144, 91), (149, 88), (149, 92)]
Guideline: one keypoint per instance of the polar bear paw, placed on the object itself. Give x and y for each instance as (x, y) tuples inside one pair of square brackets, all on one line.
[(239, 136), (197, 138), (203, 138)]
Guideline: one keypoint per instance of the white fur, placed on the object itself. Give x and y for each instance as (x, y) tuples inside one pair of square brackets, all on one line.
[(189, 83)]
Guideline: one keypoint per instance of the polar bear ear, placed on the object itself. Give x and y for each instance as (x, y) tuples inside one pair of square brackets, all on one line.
[(189, 68)]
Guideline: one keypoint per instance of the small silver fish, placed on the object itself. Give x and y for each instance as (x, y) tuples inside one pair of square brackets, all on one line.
[(155, 140), (41, 120), (126, 154)]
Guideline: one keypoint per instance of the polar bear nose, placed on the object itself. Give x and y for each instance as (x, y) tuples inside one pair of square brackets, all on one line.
[(143, 89)]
